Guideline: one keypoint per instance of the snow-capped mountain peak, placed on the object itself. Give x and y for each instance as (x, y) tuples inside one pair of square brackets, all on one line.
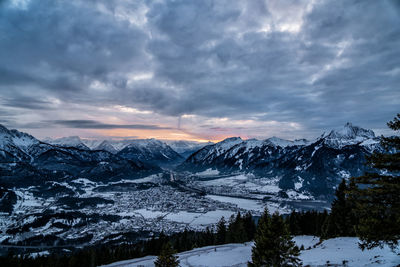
[(349, 131), (70, 141), (14, 137), (226, 144), (107, 146), (285, 143), (229, 142), (147, 143), (151, 151), (348, 135)]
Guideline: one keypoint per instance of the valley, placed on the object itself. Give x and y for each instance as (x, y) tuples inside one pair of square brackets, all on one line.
[(70, 193), (84, 213)]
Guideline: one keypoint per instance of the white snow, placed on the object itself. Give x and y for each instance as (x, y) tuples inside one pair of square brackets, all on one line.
[(299, 183), (24, 141), (38, 254), (349, 135), (333, 251), (344, 174), (298, 195), (286, 143), (150, 213), (338, 250), (66, 141), (247, 181), (249, 204), (199, 219), (208, 172), (84, 181), (148, 179), (223, 146), (369, 142)]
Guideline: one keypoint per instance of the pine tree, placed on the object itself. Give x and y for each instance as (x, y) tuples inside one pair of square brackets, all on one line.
[(273, 245), (221, 232), (338, 223), (236, 231), (208, 237), (249, 226), (167, 257), (294, 223), (376, 195)]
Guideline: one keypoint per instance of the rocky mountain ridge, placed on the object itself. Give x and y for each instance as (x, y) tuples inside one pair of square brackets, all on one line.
[(314, 166), (23, 158)]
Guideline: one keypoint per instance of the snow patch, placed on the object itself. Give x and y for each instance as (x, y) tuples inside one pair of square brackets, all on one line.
[(333, 251), (208, 172)]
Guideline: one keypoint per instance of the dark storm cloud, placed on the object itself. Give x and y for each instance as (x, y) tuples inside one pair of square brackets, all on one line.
[(26, 103), (273, 72), (91, 124), (62, 46), (366, 86), (317, 65)]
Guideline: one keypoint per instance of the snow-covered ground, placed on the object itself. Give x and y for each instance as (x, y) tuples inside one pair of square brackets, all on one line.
[(339, 251), (249, 204), (208, 172)]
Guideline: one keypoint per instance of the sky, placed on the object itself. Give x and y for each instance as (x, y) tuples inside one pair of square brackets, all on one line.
[(198, 70)]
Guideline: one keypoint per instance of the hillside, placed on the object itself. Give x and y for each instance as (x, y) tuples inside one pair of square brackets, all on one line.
[(333, 251)]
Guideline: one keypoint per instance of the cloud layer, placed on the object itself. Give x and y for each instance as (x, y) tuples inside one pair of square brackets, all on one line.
[(206, 69)]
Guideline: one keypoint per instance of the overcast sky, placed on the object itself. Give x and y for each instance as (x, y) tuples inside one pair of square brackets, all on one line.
[(200, 70)]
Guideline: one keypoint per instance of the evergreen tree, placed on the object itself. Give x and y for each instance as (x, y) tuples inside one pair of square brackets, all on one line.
[(294, 223), (236, 231), (185, 242), (320, 220), (273, 245), (376, 195), (208, 237), (249, 226), (339, 222), (167, 257), (221, 231)]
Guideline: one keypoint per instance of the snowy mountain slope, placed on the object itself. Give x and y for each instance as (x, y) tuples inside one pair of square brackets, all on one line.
[(333, 251), (151, 151), (70, 141), (349, 135), (186, 148), (23, 157), (315, 167), (107, 146), (118, 145), (14, 145), (182, 147), (92, 143), (286, 143), (208, 154)]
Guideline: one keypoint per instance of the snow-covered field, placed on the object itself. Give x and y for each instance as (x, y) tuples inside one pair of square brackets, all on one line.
[(200, 219), (249, 204), (246, 182), (337, 251)]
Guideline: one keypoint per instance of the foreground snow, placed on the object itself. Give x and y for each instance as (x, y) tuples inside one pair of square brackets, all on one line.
[(333, 251)]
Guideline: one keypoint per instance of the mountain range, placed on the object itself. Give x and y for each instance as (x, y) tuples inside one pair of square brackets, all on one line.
[(315, 166), (26, 160), (157, 152), (79, 192)]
